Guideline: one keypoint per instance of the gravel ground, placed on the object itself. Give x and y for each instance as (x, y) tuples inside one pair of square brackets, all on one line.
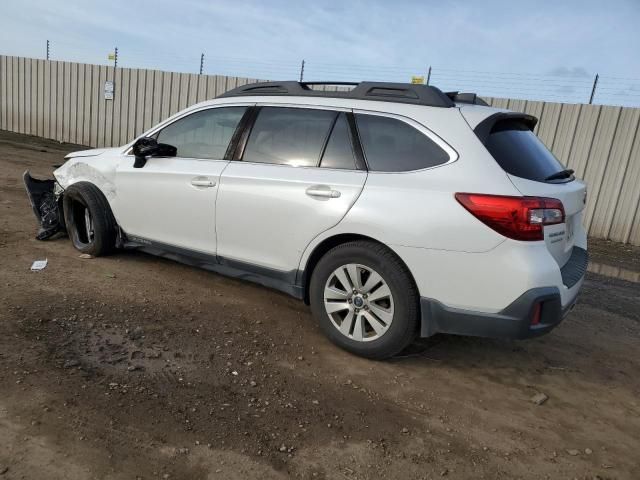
[(131, 366)]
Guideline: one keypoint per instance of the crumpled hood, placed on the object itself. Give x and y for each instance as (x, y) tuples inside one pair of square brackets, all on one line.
[(94, 152)]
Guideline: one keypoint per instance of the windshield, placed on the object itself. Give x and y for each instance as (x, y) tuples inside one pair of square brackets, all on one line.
[(521, 153)]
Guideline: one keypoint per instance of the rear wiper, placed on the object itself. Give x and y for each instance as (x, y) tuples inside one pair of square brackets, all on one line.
[(561, 174)]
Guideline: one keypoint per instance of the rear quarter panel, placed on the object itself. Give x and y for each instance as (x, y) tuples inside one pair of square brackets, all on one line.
[(417, 216), (419, 209)]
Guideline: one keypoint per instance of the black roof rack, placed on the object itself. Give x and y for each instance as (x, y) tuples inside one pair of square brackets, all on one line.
[(378, 91), (466, 98)]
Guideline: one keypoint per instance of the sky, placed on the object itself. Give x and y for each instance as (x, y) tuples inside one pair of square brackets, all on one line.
[(548, 49)]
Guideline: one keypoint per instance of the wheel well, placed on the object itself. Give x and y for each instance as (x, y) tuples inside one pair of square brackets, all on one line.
[(327, 245)]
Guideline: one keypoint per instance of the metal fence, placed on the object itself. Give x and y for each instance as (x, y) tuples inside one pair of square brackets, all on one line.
[(66, 101)]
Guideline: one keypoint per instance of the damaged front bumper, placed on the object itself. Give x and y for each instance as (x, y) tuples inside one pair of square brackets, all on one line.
[(46, 200)]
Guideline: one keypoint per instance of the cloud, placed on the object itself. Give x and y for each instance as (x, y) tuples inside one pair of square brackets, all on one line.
[(351, 40), (569, 72)]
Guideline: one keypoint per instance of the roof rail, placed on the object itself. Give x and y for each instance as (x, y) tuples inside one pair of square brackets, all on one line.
[(378, 91), (466, 98)]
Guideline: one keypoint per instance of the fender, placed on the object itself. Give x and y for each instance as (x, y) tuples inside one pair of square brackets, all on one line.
[(88, 169), (45, 196)]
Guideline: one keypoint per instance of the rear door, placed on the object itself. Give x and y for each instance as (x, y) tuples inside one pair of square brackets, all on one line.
[(296, 176), (534, 171)]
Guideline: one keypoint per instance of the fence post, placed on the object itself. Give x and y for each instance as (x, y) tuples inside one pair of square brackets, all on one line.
[(302, 70), (201, 62), (429, 75), (47, 49), (593, 90), (115, 57)]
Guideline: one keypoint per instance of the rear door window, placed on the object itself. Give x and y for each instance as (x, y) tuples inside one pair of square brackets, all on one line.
[(339, 150), (520, 152), (289, 136), (391, 145)]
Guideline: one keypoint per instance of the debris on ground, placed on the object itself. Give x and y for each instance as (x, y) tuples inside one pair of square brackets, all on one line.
[(39, 265), (539, 398), (71, 364), (135, 334)]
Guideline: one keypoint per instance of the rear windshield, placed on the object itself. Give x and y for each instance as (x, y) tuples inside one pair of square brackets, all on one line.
[(521, 153)]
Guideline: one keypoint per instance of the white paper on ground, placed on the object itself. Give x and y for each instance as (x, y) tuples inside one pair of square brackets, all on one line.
[(39, 265)]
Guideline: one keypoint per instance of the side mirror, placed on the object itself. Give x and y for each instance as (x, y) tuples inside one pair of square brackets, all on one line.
[(149, 147)]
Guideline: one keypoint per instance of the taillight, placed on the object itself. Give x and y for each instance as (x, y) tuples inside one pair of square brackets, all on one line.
[(520, 218)]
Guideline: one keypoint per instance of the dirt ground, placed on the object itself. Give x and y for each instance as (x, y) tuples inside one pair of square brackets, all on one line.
[(131, 366)]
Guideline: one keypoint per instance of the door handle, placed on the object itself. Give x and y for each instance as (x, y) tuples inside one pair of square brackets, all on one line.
[(202, 182), (322, 191)]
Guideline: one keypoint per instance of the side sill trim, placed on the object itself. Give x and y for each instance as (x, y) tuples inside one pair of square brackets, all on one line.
[(270, 278)]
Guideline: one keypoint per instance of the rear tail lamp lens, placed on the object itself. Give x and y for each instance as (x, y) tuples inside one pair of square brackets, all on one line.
[(519, 218)]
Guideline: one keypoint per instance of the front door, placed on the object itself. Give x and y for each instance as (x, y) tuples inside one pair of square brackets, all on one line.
[(171, 200), (297, 178)]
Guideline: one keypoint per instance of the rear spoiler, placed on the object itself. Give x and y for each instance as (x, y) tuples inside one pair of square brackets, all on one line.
[(483, 129)]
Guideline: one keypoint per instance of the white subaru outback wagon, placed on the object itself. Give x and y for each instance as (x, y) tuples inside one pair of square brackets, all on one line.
[(394, 210)]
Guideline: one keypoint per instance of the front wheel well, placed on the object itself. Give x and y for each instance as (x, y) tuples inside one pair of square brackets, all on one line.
[(323, 247)]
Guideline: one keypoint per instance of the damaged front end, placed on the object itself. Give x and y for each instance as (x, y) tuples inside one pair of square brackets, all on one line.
[(46, 200)]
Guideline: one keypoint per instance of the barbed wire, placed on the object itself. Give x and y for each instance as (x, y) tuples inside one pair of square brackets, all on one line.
[(573, 87)]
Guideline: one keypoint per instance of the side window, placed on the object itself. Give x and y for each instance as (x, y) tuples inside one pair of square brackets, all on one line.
[(204, 134), (391, 145), (288, 136), (339, 150)]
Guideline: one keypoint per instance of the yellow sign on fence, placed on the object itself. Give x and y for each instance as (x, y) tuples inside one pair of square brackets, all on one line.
[(111, 56), (417, 80)]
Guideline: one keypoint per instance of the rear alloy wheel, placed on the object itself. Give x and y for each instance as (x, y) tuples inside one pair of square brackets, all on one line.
[(358, 302), (364, 299)]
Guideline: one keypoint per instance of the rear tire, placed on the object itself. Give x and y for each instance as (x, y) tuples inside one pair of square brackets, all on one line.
[(365, 299), (89, 220)]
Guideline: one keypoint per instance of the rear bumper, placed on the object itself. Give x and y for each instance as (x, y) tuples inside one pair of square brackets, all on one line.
[(514, 322)]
